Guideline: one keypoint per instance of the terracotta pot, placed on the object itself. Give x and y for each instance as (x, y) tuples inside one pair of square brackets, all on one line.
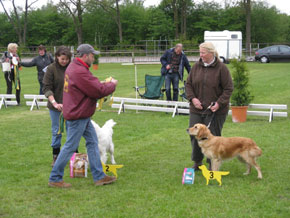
[(239, 114), (95, 66)]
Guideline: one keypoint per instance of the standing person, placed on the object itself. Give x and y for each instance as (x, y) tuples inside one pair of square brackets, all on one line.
[(53, 82), (12, 76), (80, 94), (41, 62), (209, 81), (173, 62)]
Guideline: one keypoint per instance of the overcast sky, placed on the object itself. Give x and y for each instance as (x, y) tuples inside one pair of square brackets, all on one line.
[(282, 5)]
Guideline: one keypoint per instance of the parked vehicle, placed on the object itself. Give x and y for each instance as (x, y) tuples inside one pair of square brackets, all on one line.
[(227, 43), (273, 53)]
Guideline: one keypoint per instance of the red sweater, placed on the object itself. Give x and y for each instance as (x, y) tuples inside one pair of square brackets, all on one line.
[(81, 91)]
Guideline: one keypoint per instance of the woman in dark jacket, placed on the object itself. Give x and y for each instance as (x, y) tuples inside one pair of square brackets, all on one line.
[(41, 62), (208, 82), (53, 83)]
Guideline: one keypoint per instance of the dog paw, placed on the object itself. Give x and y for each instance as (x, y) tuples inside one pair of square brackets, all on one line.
[(246, 173)]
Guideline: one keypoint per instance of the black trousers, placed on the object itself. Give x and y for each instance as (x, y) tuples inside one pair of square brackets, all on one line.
[(215, 128), (10, 79)]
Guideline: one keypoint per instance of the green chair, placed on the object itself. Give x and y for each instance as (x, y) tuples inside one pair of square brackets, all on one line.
[(153, 87)]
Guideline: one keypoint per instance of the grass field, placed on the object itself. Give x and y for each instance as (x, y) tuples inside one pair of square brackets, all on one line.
[(154, 149)]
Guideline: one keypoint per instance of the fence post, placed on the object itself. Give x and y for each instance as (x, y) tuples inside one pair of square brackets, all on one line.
[(72, 51), (133, 57)]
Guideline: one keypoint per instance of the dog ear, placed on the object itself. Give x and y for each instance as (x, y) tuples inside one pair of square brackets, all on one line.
[(202, 132)]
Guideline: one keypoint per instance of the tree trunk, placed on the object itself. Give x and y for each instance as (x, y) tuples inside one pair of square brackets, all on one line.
[(80, 23), (175, 13), (118, 20), (247, 5), (184, 16)]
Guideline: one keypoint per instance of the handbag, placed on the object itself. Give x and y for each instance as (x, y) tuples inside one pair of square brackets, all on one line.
[(6, 67)]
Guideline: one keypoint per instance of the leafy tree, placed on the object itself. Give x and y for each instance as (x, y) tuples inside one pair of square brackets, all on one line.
[(48, 26), (18, 19), (76, 9), (7, 33)]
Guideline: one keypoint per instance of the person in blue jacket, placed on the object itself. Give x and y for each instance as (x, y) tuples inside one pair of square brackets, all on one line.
[(173, 62)]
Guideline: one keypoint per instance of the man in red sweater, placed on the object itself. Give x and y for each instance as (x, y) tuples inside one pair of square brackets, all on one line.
[(80, 94)]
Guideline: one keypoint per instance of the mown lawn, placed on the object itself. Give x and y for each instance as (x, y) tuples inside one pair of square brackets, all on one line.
[(154, 149)]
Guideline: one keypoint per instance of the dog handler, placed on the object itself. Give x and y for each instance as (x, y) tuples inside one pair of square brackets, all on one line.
[(209, 81), (80, 94), (53, 88)]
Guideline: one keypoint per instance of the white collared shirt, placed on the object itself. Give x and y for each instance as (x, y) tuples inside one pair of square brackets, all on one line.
[(208, 64)]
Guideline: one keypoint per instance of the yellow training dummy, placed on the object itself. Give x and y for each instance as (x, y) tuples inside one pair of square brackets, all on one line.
[(111, 168), (101, 101), (209, 175)]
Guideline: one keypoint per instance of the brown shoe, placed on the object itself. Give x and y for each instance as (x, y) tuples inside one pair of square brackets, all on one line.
[(61, 184), (106, 180), (54, 157)]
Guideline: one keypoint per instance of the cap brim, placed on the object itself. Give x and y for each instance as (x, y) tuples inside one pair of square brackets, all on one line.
[(96, 52)]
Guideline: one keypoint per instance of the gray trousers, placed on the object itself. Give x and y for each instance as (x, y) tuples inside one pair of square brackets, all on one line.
[(215, 128)]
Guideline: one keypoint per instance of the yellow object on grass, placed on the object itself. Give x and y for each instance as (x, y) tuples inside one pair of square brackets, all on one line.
[(209, 175), (111, 168)]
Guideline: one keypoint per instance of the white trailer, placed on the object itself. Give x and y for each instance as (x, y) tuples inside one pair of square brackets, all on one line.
[(227, 43)]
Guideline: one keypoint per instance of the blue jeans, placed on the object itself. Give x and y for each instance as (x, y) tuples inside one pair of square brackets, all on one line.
[(171, 78), (56, 138), (40, 88), (75, 130)]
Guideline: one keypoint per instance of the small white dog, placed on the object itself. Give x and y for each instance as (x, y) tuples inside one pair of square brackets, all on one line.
[(105, 138)]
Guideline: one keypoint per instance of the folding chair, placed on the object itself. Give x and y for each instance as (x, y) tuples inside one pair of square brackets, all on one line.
[(182, 93), (153, 87)]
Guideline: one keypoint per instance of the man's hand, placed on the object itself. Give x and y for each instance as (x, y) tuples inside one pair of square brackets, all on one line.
[(168, 67), (57, 106), (196, 103), (114, 81), (215, 107)]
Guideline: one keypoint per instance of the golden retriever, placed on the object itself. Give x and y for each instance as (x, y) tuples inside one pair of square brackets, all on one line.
[(219, 148)]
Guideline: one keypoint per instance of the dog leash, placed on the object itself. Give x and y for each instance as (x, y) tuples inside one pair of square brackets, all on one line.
[(212, 116)]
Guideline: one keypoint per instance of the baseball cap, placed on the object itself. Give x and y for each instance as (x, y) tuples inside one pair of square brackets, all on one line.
[(87, 49)]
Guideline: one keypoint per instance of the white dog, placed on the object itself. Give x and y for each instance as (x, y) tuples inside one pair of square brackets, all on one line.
[(105, 138)]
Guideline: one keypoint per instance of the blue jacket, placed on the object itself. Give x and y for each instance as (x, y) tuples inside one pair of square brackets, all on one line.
[(166, 59)]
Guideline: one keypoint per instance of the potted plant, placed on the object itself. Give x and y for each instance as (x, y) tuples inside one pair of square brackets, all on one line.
[(241, 96), (96, 62)]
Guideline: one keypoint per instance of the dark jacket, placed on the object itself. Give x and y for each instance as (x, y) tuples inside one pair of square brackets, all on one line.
[(209, 84), (166, 59), (81, 91), (53, 83), (40, 62)]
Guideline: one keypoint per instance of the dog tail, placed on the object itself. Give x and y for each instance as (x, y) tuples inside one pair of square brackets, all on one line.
[(224, 173), (256, 152), (96, 126)]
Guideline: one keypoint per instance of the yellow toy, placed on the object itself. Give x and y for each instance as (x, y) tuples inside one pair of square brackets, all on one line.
[(209, 175), (111, 168), (101, 101)]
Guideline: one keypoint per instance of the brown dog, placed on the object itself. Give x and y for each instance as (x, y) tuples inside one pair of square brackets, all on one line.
[(219, 149)]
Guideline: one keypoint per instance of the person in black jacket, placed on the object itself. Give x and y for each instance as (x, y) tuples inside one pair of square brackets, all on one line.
[(41, 62), (173, 62)]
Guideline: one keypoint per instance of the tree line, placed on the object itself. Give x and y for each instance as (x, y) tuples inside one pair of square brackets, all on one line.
[(127, 22)]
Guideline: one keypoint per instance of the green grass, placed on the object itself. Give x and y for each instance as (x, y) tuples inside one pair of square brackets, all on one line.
[(154, 149)]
